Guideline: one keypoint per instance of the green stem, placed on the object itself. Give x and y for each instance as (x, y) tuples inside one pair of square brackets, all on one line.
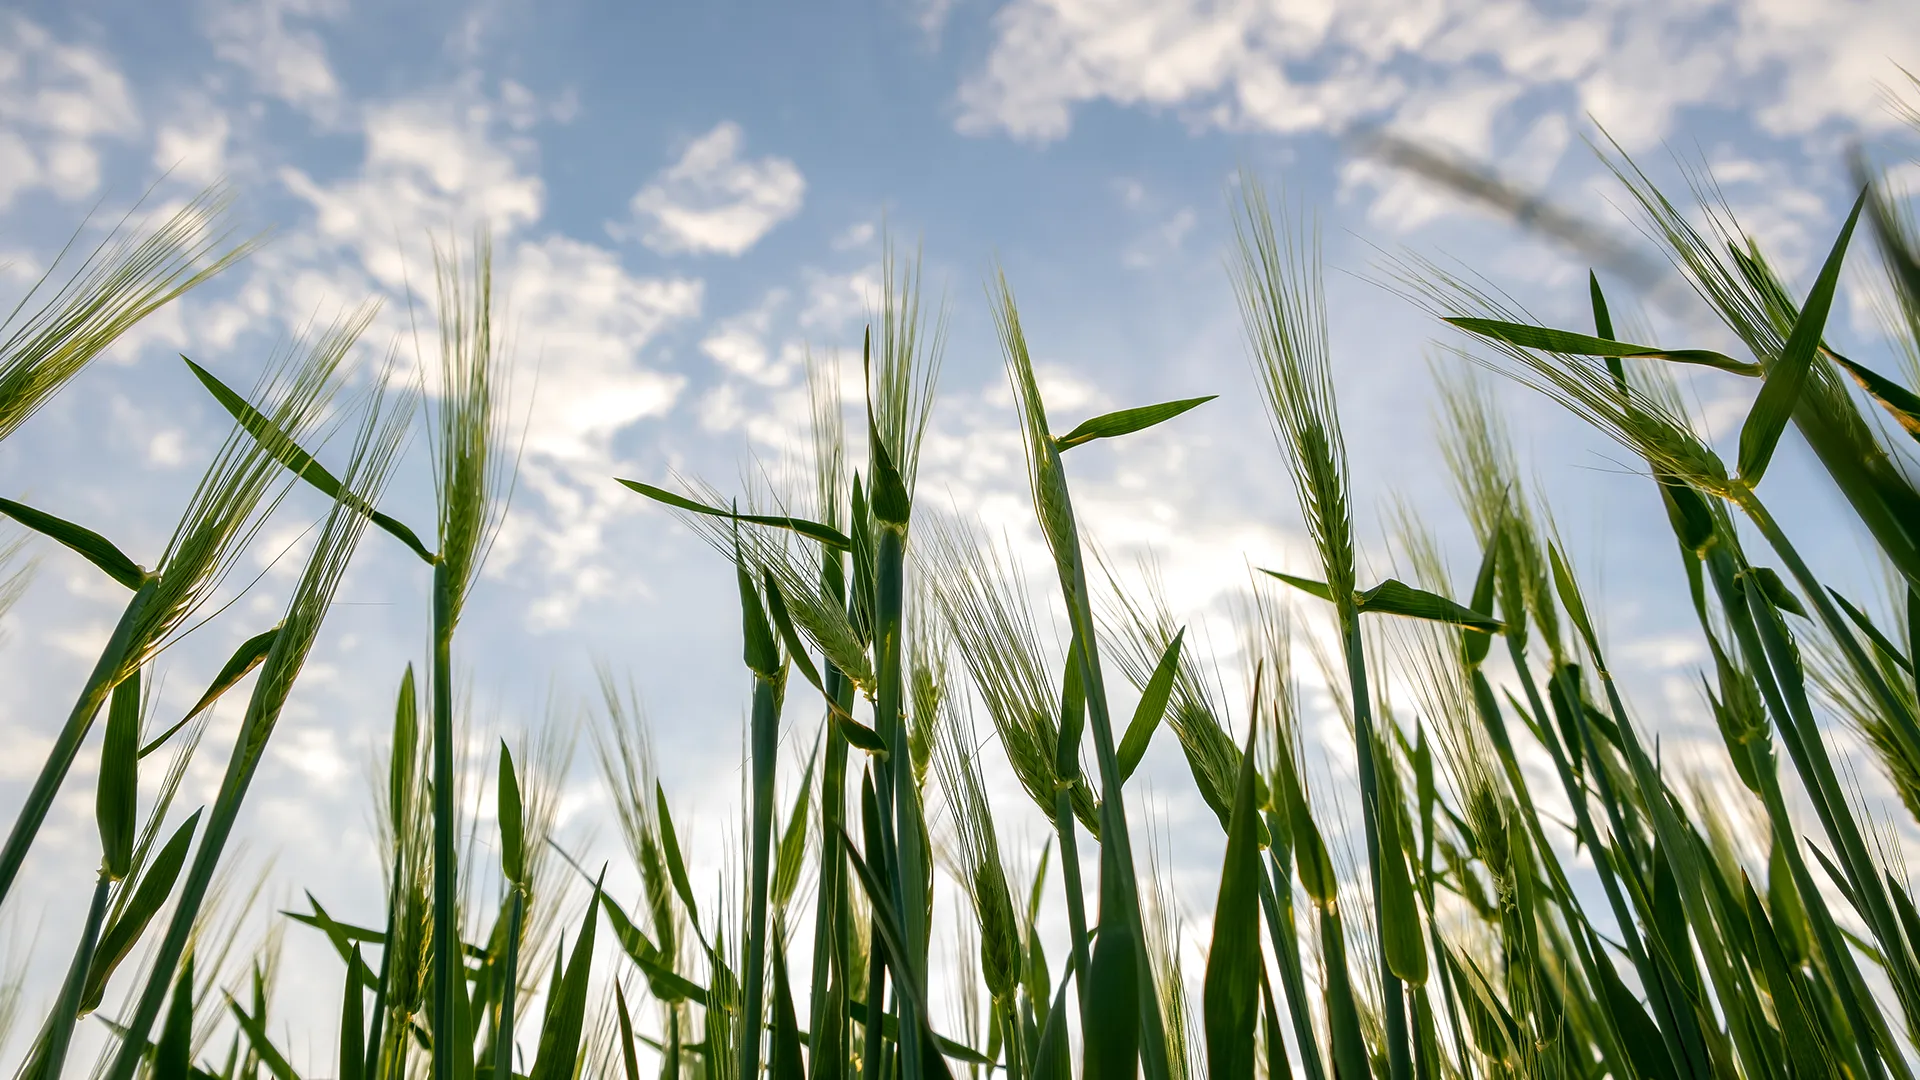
[(1905, 725), (1852, 989), (1677, 847), (909, 863), (66, 745), (1065, 827), (509, 989), (1392, 996), (871, 1037), (1680, 1036), (446, 929), (51, 1055), (765, 740), (380, 1005), (248, 748), (1116, 845), (1276, 902), (1801, 735), (1016, 1046), (830, 921)]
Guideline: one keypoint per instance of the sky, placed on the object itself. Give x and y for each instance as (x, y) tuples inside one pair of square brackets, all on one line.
[(686, 199)]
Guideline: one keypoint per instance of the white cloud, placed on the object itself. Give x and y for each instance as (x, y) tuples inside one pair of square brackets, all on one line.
[(58, 102), (583, 331), (286, 60), (712, 201), (431, 164), (585, 321), (194, 145), (1473, 74)]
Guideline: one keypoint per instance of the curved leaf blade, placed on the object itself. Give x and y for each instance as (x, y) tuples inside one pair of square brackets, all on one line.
[(1230, 992), (1781, 391), (88, 544), (244, 659), (1568, 343), (301, 463), (826, 534), (1902, 403), (1393, 597), (1152, 707), (1127, 421)]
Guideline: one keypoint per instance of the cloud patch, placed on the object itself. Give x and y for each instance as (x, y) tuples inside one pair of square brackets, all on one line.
[(58, 102), (286, 60), (1503, 81), (713, 201)]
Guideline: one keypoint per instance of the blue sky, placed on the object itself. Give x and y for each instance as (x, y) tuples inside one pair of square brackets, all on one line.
[(684, 198)]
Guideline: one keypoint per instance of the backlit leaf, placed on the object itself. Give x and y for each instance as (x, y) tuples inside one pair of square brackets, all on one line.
[(1780, 393), (1128, 421), (90, 545), (1571, 344)]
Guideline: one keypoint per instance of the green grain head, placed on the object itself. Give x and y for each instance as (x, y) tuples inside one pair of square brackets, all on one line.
[(473, 463), (130, 275), (1283, 308)]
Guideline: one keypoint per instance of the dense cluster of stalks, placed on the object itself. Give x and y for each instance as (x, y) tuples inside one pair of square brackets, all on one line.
[(1612, 920)]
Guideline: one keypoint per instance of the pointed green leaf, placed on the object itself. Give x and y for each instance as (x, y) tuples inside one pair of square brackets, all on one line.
[(1050, 1057), (156, 884), (90, 545), (263, 1047), (116, 801), (796, 648), (670, 846), (1402, 937), (1571, 344), (1603, 328), (512, 830), (1152, 707), (761, 653), (244, 659), (666, 985), (1880, 641), (892, 505), (1235, 961), (1902, 403), (566, 1011), (826, 534), (860, 736), (353, 1025), (1392, 597), (173, 1057), (1476, 642), (300, 463), (1780, 392), (627, 1057), (1128, 421), (1305, 585), (1807, 1051), (887, 922), (1569, 593), (786, 1061), (1639, 1037), (1112, 1005)]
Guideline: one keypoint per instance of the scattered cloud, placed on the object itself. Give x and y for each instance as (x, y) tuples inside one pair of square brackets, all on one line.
[(432, 163), (193, 145), (287, 60), (58, 102), (857, 235), (1502, 81), (714, 202)]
